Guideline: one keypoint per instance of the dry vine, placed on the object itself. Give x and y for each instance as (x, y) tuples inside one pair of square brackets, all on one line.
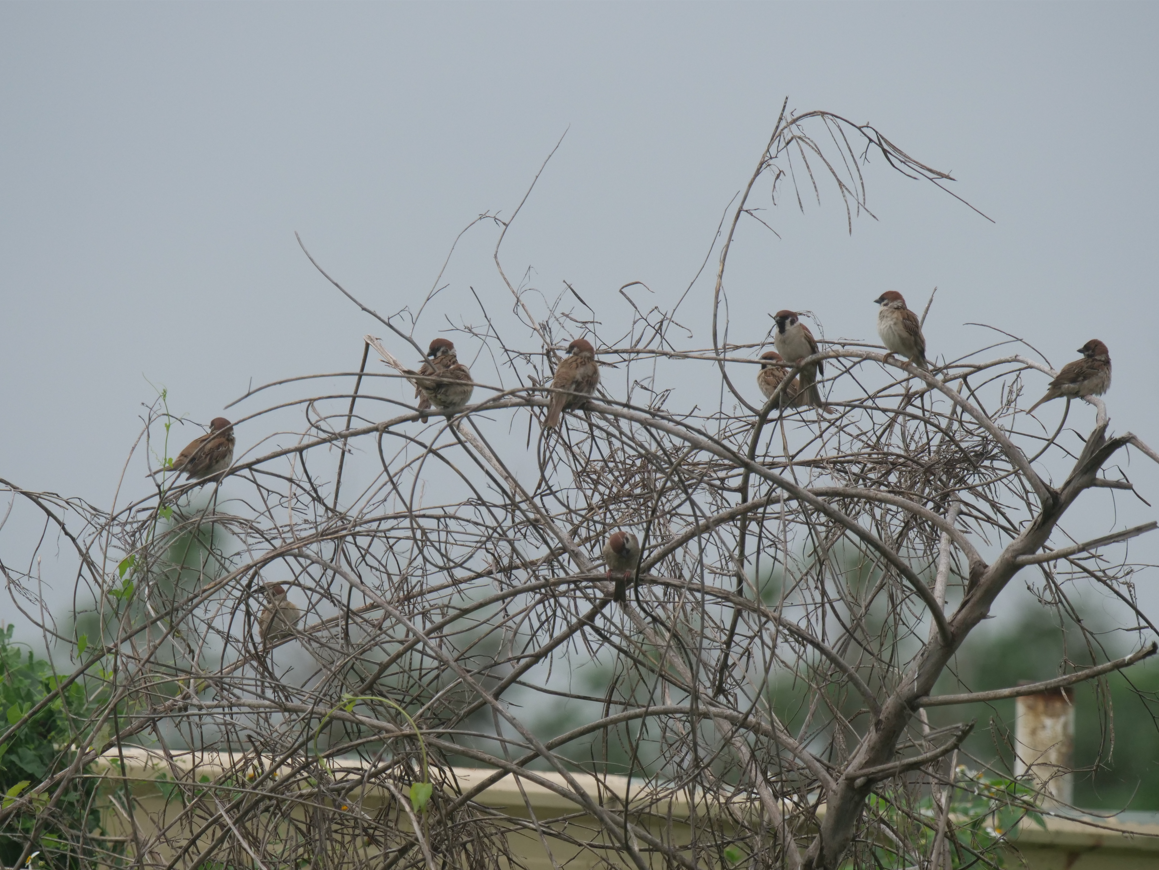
[(451, 593)]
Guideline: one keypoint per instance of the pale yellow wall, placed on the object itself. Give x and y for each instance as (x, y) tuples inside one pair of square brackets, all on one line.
[(1065, 845)]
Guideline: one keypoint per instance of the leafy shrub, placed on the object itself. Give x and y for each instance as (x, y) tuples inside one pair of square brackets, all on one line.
[(42, 745)]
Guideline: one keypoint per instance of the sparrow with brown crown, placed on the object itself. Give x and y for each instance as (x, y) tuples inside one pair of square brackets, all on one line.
[(1089, 376), (576, 373), (210, 454), (900, 329), (794, 342), (279, 617), (621, 554), (443, 383), (772, 373)]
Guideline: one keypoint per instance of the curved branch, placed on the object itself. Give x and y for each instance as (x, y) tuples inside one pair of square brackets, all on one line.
[(1035, 688)]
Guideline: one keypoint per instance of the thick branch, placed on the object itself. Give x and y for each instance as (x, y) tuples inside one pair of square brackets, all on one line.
[(1035, 688), (1115, 538), (884, 771)]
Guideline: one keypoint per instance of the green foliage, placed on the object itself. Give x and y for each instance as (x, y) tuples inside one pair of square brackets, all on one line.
[(1117, 774), (40, 747), (982, 813), (420, 795)]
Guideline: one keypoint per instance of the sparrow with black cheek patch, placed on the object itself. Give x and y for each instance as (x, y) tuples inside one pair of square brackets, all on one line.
[(900, 329), (621, 554), (279, 616), (210, 454), (443, 383), (794, 342), (576, 373), (770, 376), (1089, 376)]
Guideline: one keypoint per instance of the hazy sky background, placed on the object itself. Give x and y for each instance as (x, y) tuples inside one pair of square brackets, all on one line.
[(157, 160)]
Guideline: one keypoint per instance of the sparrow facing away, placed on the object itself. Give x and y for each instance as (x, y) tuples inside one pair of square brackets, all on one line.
[(576, 373), (443, 383), (794, 342), (621, 554), (210, 454), (279, 616), (900, 329), (770, 376), (1089, 376)]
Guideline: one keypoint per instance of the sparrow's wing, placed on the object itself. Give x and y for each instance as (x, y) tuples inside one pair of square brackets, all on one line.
[(813, 347), (217, 448), (913, 328), (193, 448), (1074, 373)]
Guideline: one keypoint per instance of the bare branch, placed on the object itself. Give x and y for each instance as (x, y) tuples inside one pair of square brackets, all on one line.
[(1035, 688), (1114, 538)]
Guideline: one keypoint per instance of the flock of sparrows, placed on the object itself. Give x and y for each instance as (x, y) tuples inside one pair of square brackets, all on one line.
[(444, 384)]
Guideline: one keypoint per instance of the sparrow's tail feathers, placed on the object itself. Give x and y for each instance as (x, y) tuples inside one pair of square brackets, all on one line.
[(809, 390), (620, 593), (1050, 394), (553, 412)]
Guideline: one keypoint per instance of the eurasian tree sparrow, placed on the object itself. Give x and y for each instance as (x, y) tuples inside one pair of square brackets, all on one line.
[(279, 616), (900, 329), (621, 554), (210, 454), (1089, 376), (576, 373), (794, 342), (770, 376), (443, 383)]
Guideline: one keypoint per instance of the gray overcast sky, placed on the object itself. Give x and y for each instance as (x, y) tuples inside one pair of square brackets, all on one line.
[(157, 160)]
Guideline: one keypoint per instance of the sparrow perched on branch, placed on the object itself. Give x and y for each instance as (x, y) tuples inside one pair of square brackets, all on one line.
[(771, 375), (1089, 376), (622, 555), (794, 342), (443, 382), (900, 329), (576, 373), (210, 454), (279, 616)]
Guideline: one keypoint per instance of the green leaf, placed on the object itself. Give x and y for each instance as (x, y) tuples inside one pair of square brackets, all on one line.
[(128, 562), (420, 794), (14, 714), (12, 793), (733, 855), (166, 511), (82, 643)]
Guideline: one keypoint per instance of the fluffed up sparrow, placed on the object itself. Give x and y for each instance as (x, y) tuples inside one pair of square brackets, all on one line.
[(576, 373), (621, 554), (794, 342), (443, 382), (279, 616), (900, 329), (210, 454), (1089, 376), (770, 376)]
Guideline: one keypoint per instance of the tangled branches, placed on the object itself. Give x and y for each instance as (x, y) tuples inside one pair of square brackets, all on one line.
[(807, 575)]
